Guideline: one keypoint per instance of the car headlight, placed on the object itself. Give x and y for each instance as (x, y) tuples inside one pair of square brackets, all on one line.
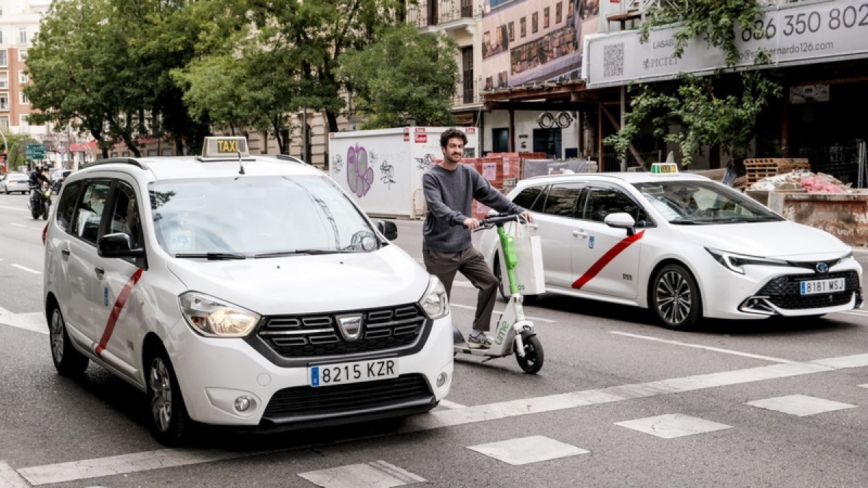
[(435, 302), (736, 262), (213, 317)]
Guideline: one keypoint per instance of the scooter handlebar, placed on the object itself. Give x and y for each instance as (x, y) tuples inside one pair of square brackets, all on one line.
[(500, 219)]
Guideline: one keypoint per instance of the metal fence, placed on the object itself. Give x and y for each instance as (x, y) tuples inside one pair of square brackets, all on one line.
[(845, 162)]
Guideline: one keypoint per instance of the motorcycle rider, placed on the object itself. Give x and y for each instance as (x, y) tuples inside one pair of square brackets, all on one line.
[(37, 180), (36, 177)]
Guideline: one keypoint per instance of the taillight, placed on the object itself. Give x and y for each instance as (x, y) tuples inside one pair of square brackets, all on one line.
[(44, 234)]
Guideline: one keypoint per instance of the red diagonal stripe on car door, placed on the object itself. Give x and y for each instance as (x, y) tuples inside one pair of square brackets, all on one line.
[(116, 310), (606, 259)]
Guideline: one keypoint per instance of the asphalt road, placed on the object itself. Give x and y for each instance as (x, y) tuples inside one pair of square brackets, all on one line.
[(620, 402)]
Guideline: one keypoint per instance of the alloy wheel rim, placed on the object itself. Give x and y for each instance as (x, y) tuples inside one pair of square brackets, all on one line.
[(57, 336), (161, 394), (674, 298)]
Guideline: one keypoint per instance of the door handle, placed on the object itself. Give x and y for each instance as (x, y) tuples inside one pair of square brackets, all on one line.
[(579, 233), (99, 272), (65, 254)]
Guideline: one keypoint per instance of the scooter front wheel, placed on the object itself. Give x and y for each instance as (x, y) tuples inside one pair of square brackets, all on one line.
[(533, 358)]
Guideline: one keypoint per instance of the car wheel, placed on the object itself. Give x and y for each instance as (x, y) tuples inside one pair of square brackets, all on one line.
[(169, 419), (675, 297), (6, 190), (67, 360)]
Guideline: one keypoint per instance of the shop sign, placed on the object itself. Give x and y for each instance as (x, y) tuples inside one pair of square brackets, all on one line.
[(792, 34)]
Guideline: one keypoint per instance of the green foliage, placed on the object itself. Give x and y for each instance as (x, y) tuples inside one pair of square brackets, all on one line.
[(712, 110), (404, 73), (17, 147)]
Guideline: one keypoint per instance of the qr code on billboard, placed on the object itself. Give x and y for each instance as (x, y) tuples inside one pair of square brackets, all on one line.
[(613, 60)]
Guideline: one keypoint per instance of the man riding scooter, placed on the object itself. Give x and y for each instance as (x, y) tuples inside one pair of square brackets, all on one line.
[(39, 199), (450, 189)]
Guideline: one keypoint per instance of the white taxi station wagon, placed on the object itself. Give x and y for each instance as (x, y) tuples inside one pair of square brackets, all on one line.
[(682, 245), (241, 291)]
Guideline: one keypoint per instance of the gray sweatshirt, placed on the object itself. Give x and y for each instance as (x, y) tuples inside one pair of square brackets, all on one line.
[(450, 195)]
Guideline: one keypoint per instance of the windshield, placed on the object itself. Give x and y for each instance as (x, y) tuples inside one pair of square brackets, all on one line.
[(703, 202), (246, 217)]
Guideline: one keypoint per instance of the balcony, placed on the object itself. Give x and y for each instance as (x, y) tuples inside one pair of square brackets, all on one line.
[(467, 95), (448, 14)]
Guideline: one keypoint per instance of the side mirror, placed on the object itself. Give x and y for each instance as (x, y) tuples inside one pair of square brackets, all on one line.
[(388, 229), (117, 245), (621, 220)]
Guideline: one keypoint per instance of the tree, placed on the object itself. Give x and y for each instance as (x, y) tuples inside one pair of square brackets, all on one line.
[(311, 36), (711, 110), (17, 146), (403, 72)]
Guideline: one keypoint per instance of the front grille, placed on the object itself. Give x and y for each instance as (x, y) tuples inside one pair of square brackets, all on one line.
[(306, 336), (338, 399), (784, 291)]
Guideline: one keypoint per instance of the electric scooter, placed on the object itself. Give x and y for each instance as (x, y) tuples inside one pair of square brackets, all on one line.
[(513, 333)]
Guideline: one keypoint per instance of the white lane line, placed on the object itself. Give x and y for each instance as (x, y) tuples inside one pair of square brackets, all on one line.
[(563, 401), (451, 405), (17, 225), (699, 346), (500, 312), (9, 478), (24, 268), (123, 464), (14, 208), (129, 463)]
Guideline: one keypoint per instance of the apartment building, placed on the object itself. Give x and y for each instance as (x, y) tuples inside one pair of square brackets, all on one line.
[(19, 23)]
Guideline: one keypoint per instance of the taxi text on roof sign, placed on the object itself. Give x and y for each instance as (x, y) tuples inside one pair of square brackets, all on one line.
[(664, 169), (224, 146)]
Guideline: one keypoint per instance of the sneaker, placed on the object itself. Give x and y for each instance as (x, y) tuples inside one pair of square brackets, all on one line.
[(479, 339)]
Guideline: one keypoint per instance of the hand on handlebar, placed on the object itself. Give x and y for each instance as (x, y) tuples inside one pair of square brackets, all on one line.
[(471, 224)]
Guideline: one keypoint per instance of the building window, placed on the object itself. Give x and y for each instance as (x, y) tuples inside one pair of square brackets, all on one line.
[(4, 80), (24, 99), (1, 37), (4, 102), (22, 77), (22, 55), (3, 57), (4, 122), (22, 36)]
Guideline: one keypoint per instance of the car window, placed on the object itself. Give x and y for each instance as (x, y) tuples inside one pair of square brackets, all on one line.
[(528, 197), (125, 215), (66, 207), (604, 201), (258, 215), (695, 202), (561, 199), (88, 214)]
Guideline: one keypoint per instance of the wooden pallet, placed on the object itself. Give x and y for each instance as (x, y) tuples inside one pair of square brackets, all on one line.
[(759, 168)]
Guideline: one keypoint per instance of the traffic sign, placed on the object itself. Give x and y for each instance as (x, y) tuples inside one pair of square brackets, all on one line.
[(36, 151)]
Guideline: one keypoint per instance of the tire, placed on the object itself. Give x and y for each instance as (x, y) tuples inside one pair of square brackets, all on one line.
[(170, 422), (34, 212), (674, 298), (67, 360), (45, 211), (6, 190), (534, 356)]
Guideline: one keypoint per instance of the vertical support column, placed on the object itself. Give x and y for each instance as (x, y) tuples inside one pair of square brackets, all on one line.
[(785, 124), (581, 123), (600, 162), (511, 129), (623, 108)]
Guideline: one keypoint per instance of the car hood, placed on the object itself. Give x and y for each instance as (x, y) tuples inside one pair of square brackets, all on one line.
[(784, 240), (308, 284)]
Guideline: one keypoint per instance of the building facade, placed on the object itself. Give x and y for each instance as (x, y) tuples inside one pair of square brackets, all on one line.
[(19, 24)]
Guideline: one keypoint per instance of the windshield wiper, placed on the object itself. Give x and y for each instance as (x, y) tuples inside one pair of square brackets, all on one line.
[(213, 256), (296, 252)]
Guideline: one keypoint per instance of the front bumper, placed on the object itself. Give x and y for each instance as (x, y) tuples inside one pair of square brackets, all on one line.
[(213, 373)]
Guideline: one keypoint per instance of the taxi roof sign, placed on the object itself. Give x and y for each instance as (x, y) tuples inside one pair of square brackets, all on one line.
[(664, 169), (222, 147)]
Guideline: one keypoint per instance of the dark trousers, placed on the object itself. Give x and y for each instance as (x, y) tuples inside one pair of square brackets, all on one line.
[(472, 265)]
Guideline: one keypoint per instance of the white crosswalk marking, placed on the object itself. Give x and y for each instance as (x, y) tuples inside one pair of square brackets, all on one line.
[(673, 425), (379, 474), (24, 268), (800, 405), (698, 346), (9, 478), (528, 450)]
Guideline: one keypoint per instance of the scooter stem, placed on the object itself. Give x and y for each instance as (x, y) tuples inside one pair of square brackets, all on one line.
[(509, 258)]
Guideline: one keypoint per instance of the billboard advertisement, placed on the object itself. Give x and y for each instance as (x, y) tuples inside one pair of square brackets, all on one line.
[(533, 41)]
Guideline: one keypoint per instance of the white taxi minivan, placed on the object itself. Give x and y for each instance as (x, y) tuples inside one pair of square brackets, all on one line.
[(239, 290)]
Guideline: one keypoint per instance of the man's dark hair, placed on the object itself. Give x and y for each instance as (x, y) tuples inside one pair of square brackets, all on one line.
[(452, 133)]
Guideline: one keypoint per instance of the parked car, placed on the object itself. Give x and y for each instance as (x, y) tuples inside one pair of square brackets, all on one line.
[(15, 182), (58, 177), (243, 291), (682, 245)]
